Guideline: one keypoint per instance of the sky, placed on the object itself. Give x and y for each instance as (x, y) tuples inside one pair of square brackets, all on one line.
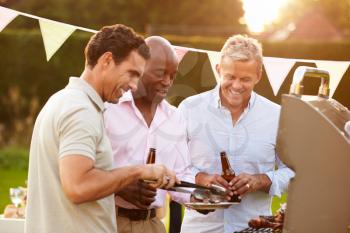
[(259, 13)]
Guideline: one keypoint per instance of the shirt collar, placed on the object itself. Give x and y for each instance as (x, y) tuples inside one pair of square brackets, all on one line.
[(217, 101), (81, 84), (128, 97)]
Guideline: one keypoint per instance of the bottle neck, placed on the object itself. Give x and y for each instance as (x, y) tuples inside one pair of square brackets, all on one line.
[(151, 159), (226, 166)]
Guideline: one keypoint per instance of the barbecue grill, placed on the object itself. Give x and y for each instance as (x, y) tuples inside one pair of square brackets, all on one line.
[(312, 140), (260, 230)]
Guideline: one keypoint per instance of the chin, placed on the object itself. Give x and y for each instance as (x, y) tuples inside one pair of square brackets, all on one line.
[(159, 98), (113, 101), (235, 104), (235, 101)]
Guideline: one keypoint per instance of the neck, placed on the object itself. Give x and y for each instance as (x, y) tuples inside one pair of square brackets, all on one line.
[(89, 77), (143, 102), (235, 110), (146, 107)]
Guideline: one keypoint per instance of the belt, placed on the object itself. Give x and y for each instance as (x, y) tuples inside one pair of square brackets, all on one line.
[(136, 214)]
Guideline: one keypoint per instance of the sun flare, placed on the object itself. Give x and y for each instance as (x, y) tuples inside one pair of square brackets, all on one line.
[(259, 13)]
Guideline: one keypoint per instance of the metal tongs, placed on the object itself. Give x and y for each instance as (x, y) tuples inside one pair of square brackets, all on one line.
[(214, 189), (213, 193)]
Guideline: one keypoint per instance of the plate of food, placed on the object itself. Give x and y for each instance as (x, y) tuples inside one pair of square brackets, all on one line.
[(208, 205)]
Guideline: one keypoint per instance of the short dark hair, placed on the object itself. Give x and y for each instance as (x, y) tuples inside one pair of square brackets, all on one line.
[(118, 39)]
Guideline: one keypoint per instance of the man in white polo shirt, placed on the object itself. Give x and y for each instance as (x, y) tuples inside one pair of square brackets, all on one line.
[(71, 180)]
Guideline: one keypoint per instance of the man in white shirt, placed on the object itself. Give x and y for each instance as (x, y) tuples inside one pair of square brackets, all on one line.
[(71, 181), (233, 118)]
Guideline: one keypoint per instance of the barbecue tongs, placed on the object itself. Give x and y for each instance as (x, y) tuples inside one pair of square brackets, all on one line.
[(184, 185), (213, 188)]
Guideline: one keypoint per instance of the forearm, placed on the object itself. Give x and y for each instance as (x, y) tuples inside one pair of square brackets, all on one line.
[(96, 184), (263, 182), (82, 182)]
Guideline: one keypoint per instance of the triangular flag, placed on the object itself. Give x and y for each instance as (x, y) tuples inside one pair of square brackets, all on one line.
[(186, 66), (214, 58), (277, 70), (6, 16), (54, 35), (180, 52), (336, 71)]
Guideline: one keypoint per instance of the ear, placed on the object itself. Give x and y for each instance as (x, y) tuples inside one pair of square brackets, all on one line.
[(105, 59), (217, 67), (259, 77)]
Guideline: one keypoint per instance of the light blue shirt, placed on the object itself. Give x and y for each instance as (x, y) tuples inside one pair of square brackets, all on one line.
[(250, 146)]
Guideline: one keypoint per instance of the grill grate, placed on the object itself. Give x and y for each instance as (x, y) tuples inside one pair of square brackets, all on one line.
[(260, 230)]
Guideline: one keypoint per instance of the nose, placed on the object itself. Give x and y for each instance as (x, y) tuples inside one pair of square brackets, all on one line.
[(133, 84), (166, 81), (236, 84)]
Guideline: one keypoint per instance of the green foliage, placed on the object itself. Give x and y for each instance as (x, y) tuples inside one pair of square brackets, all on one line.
[(136, 13), (14, 158), (277, 202), (28, 80)]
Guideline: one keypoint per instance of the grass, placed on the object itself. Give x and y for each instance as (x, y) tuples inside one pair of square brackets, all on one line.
[(14, 158), (8, 179)]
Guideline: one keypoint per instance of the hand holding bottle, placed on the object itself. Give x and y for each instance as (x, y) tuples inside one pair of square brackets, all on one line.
[(206, 179), (245, 183)]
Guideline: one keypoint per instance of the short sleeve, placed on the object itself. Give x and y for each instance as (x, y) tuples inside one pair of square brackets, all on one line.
[(78, 131)]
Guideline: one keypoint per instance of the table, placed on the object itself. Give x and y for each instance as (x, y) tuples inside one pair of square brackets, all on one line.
[(11, 225)]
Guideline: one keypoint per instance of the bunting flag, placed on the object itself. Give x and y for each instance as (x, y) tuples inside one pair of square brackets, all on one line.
[(6, 16), (54, 35), (214, 58), (277, 70), (180, 52), (191, 62), (336, 71)]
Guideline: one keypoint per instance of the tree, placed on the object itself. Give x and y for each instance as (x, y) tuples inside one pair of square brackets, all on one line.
[(336, 11), (136, 13)]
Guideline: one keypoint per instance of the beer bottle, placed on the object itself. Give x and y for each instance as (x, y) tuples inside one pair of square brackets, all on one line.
[(151, 159), (227, 173)]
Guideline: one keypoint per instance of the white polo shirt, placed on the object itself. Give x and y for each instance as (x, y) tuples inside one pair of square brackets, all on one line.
[(71, 122)]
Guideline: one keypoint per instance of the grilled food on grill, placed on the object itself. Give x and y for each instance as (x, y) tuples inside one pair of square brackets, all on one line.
[(274, 222)]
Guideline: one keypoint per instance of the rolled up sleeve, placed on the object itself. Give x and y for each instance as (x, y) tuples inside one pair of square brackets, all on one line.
[(280, 178)]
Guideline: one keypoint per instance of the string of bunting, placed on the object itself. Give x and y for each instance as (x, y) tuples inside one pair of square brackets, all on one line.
[(55, 33)]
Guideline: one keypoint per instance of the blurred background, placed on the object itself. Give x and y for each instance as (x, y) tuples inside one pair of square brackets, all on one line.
[(308, 29)]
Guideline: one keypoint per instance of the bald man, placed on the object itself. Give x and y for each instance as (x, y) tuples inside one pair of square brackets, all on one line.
[(143, 119)]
